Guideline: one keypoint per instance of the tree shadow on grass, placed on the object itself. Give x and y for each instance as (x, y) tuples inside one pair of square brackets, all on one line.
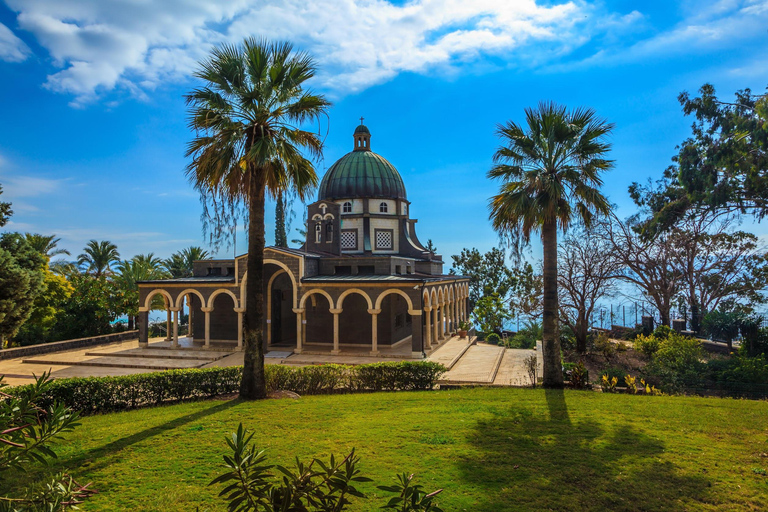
[(104, 455), (537, 458)]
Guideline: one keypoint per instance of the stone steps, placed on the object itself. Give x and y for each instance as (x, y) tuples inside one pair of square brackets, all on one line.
[(207, 356), (121, 362)]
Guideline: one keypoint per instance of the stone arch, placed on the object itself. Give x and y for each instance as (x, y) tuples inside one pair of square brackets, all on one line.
[(381, 296), (367, 298), (218, 292), (427, 298), (180, 297), (433, 298), (279, 264), (314, 291), (164, 293)]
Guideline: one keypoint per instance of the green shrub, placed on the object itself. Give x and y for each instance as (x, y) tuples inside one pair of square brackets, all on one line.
[(251, 484), (648, 345), (603, 345), (577, 374), (677, 364), (90, 395), (493, 338), (611, 372), (662, 332)]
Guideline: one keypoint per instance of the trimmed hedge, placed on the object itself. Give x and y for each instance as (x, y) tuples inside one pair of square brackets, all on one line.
[(91, 395)]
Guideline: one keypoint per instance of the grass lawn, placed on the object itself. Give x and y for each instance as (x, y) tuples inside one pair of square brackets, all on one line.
[(490, 449)]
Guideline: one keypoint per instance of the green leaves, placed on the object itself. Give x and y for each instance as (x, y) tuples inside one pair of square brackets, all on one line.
[(250, 484), (26, 429), (410, 498), (545, 167)]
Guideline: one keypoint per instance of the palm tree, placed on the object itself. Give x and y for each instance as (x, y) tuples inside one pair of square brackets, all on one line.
[(181, 263), (45, 244), (98, 257), (550, 172), (247, 116)]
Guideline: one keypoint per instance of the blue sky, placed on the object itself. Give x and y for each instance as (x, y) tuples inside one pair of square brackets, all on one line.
[(93, 124)]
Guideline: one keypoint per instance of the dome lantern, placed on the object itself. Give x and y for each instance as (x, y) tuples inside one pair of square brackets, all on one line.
[(362, 137)]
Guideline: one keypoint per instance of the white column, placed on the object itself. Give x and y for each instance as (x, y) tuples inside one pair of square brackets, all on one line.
[(442, 321), (190, 331), (299, 329), (435, 339), (336, 313), (240, 312), (428, 330), (175, 342), (168, 326), (374, 331), (207, 312)]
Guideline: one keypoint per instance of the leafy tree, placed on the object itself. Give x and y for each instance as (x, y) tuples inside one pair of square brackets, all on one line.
[(586, 274), (95, 302), (431, 247), (47, 245), (53, 295), (548, 169), (646, 262), (98, 257), (526, 297), (21, 281), (281, 237), (5, 210), (715, 262), (129, 274), (488, 273), (247, 115), (724, 324), (490, 312)]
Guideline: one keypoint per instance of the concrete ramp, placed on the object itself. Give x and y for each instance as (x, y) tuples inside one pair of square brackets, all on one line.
[(478, 365)]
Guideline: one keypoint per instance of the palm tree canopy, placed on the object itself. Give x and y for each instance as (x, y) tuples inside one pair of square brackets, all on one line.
[(245, 116), (181, 263), (98, 257), (45, 244), (549, 168)]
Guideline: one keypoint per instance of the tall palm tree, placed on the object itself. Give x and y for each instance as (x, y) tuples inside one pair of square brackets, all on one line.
[(45, 244), (550, 172), (98, 257), (248, 116)]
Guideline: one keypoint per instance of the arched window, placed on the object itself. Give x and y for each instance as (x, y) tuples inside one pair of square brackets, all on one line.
[(383, 208), (346, 208), (318, 233), (329, 232)]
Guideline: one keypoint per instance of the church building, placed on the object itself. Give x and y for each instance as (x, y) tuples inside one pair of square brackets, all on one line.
[(362, 283)]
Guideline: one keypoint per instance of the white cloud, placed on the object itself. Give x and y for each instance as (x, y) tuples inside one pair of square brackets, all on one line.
[(29, 186), (102, 46), (135, 46), (710, 25), (12, 49)]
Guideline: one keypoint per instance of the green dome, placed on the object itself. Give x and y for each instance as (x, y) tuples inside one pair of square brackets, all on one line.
[(361, 174), (362, 129)]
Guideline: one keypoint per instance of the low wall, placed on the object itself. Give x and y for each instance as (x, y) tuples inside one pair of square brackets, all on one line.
[(57, 346)]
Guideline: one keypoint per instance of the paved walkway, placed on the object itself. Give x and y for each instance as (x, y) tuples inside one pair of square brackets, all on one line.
[(513, 371), (478, 365), (468, 363), (451, 351)]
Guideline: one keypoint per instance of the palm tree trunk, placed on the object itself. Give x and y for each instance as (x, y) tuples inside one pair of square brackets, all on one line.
[(553, 372), (253, 385)]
